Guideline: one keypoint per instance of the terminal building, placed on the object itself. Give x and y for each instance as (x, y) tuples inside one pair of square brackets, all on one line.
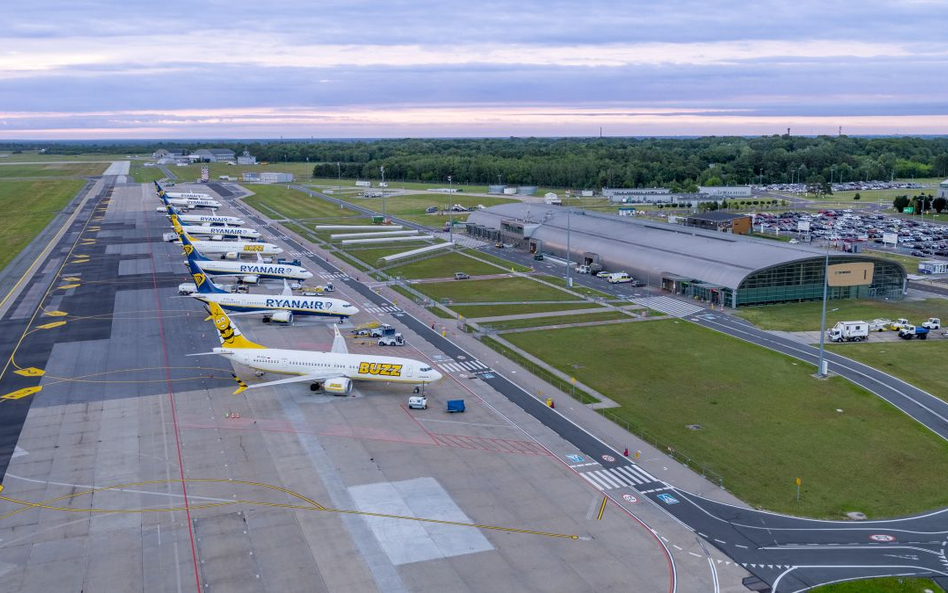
[(719, 268), (723, 222), (738, 191)]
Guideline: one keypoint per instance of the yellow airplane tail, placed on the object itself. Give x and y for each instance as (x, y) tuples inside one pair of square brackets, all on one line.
[(229, 334)]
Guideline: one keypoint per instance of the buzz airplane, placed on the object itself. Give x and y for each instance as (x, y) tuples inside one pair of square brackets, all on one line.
[(248, 271), (332, 371), (277, 307), (226, 249)]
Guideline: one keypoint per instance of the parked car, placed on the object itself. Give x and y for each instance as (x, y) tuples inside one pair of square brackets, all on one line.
[(460, 276)]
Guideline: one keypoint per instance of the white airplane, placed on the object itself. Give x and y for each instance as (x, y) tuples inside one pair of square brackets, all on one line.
[(226, 249), (187, 195), (332, 371), (206, 230), (246, 271), (279, 308), (204, 219), (197, 202)]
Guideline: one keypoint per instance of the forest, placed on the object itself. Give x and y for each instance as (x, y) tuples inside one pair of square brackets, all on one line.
[(587, 163)]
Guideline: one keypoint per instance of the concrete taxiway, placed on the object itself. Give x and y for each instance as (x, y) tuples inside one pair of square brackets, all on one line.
[(133, 467)]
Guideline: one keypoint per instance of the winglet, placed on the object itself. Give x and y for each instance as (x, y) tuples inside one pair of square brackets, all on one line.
[(241, 386), (229, 334), (338, 342)]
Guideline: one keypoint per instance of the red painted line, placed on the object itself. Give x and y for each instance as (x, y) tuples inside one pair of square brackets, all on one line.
[(174, 416)]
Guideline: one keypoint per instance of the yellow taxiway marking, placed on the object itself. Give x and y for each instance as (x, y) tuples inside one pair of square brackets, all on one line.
[(311, 506), (51, 325), (55, 313), (30, 372), (21, 393), (71, 278), (67, 286), (79, 261), (602, 509)]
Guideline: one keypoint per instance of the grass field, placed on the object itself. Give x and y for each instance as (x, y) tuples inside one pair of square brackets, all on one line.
[(142, 174), (53, 170), (27, 208), (912, 361), (888, 585), (493, 290), (577, 317), (499, 261), (302, 172), (576, 287), (806, 316), (372, 254), (764, 421), (296, 205), (33, 156), (349, 184), (477, 311), (444, 266), (412, 206), (910, 263)]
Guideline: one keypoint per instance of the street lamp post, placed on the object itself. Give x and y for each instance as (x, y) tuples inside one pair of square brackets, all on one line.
[(569, 278), (820, 372)]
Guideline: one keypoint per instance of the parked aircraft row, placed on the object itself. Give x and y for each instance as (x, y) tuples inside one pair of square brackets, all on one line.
[(333, 371)]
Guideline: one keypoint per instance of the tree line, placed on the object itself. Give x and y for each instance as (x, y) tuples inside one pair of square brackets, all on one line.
[(680, 164)]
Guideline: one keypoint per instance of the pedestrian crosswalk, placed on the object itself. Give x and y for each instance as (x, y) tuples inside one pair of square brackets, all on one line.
[(383, 309), (668, 305), (623, 476), (333, 276), (461, 239), (462, 366)]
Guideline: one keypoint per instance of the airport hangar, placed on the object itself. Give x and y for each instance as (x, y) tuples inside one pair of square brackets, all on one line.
[(714, 266)]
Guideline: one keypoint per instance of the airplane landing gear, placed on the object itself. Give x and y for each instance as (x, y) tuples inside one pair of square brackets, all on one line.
[(314, 387)]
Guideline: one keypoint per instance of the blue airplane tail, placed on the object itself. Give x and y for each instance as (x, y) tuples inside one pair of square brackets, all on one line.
[(204, 284), (189, 249)]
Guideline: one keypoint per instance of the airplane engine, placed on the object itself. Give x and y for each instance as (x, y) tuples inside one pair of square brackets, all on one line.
[(231, 255), (340, 386), (249, 279), (280, 317)]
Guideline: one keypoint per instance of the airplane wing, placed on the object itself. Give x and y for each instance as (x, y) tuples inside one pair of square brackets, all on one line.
[(307, 378), (287, 291), (338, 342)]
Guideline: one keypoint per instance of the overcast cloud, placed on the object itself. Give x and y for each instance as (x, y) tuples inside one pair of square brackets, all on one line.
[(447, 68)]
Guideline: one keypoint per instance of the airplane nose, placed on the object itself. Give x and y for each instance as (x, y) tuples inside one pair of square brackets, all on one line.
[(278, 250), (307, 274), (436, 376)]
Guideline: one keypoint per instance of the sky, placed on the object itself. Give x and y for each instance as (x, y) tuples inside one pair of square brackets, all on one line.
[(331, 69)]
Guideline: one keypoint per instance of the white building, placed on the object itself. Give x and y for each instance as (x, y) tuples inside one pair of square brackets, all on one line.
[(246, 159), (943, 189), (214, 155), (737, 191)]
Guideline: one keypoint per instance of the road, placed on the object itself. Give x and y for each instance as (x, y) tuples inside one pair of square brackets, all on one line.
[(788, 553)]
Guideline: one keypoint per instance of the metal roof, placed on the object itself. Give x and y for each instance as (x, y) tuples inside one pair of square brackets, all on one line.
[(649, 247)]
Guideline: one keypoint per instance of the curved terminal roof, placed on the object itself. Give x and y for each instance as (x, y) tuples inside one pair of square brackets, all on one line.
[(628, 244)]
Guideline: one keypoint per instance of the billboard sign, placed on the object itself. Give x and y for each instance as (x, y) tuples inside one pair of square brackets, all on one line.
[(852, 274), (803, 226), (890, 239)]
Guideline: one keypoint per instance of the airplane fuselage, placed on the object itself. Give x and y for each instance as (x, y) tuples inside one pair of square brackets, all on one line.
[(357, 367), (298, 305), (234, 268), (222, 231), (238, 247), (205, 219)]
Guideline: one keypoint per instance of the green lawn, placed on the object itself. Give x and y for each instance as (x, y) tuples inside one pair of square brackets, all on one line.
[(499, 261), (477, 311), (53, 170), (806, 316), (301, 171), (493, 290), (372, 254), (576, 287), (887, 585), (909, 262), (27, 208), (349, 184), (297, 205), (142, 174), (444, 266), (764, 420), (577, 317), (912, 361)]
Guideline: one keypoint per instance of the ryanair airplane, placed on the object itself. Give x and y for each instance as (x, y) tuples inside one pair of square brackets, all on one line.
[(194, 202), (226, 249), (280, 308), (332, 371), (205, 220), (247, 271)]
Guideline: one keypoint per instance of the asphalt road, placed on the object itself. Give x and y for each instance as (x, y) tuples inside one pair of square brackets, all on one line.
[(787, 553)]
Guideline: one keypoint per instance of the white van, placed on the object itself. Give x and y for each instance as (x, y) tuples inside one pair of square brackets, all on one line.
[(418, 402), (619, 278)]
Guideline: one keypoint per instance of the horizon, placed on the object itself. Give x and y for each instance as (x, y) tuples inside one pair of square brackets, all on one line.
[(448, 70)]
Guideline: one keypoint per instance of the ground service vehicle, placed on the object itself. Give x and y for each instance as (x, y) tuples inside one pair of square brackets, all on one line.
[(187, 288), (538, 256), (932, 323), (909, 331), (418, 402), (849, 331), (382, 330), (619, 278), (899, 324), (393, 340), (603, 274), (879, 325), (365, 329), (454, 405)]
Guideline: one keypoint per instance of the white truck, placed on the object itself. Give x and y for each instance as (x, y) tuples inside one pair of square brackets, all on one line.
[(899, 324), (932, 323), (848, 331), (619, 278)]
